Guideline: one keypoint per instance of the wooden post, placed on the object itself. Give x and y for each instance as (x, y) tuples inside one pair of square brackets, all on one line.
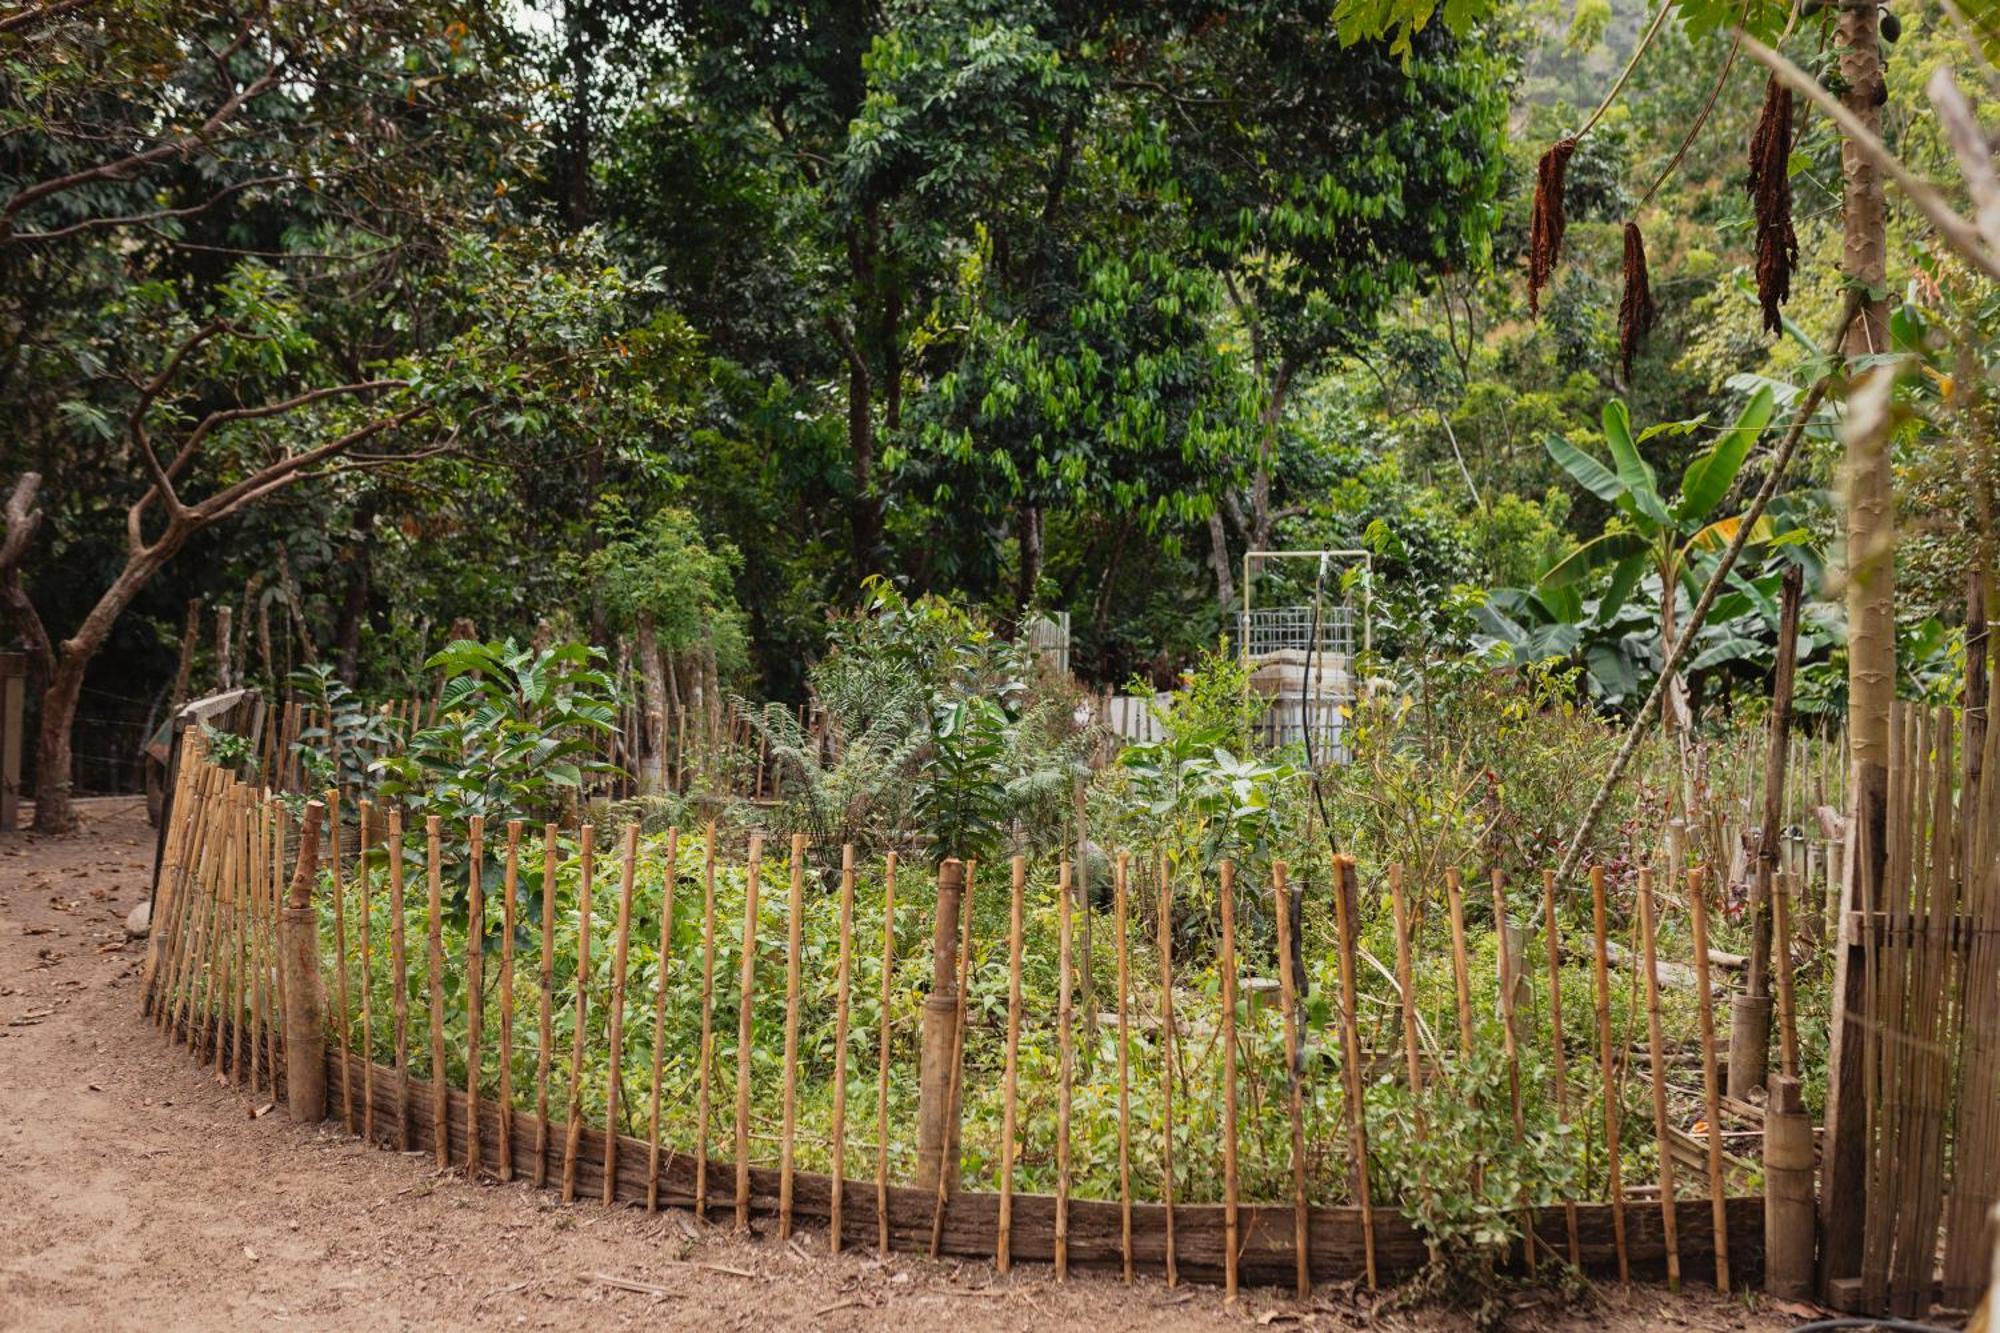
[(1124, 1072), (1004, 1240), (882, 1057), (508, 886), (1506, 940), (1281, 912), (937, 1127), (440, 1095), (341, 1010), (1608, 1070), (667, 886), (1460, 967), (364, 826), (705, 1078), (1648, 937), (1552, 933), (573, 1117), (1790, 1213), (305, 1023), (1711, 1102), (1231, 1249), (1346, 902), (1406, 988), (614, 1074), (746, 991), (843, 977), (399, 964), (13, 703), (948, 1181), (794, 943), (1166, 948), (1066, 1066), (545, 1039), (475, 987)]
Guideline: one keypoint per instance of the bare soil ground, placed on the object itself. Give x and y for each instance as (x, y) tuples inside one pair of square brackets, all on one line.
[(137, 1192)]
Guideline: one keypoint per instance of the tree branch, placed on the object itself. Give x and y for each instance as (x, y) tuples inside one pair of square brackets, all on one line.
[(161, 215), (23, 521), (41, 13)]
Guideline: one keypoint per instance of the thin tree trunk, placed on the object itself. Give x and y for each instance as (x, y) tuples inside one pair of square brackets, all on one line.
[(1028, 536), (1218, 559), (653, 690), (354, 602)]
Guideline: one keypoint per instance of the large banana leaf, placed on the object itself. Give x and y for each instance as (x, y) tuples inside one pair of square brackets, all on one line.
[(1619, 545), (1642, 488), (1592, 475), (1709, 477), (1623, 579)]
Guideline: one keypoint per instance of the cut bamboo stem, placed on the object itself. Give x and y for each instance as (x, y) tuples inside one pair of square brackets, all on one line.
[(1281, 913), (1166, 950), (746, 990), (440, 1099), (399, 964), (669, 882), (1655, 1046), (1460, 971), (705, 1078), (1710, 1088), (573, 1116), (794, 943), (1346, 901), (475, 984), (614, 1073), (1781, 962), (1231, 1250), (1552, 938), (239, 936), (1003, 1256), (1406, 987), (545, 1039), (364, 896), (842, 979), (1608, 1070), (882, 1056), (341, 1010), (509, 888), (1510, 1047), (1066, 1064), (948, 1161)]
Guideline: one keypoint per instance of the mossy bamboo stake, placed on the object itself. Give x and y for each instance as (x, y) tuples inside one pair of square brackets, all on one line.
[(746, 992), (509, 887), (1066, 1064), (1510, 1047), (1710, 1089), (882, 1056), (948, 1178), (1460, 973), (341, 1011), (794, 943), (842, 978), (614, 1073), (1281, 913), (1003, 1253), (440, 1095), (1231, 1249), (1607, 1069), (545, 1038), (399, 965), (1166, 950), (573, 1114), (365, 815), (475, 984), (1346, 902), (1551, 935), (1655, 1046), (1781, 963), (669, 882), (705, 1077), (1121, 910)]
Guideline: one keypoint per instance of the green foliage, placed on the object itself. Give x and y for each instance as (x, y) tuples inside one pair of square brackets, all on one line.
[(344, 748)]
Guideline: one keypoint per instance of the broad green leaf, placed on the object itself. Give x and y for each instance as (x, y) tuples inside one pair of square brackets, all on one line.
[(1638, 478), (1708, 479), (1592, 475), (1624, 577), (1605, 546)]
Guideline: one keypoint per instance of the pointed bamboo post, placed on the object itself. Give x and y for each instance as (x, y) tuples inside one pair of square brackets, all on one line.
[(950, 1157), (1281, 913), (705, 1078), (475, 985), (305, 1023), (573, 1118), (1231, 1251), (1003, 1256), (1551, 934), (509, 885), (842, 978), (399, 964), (794, 943), (1066, 1065), (669, 883), (614, 1074), (882, 1056), (1607, 1068), (440, 1096), (1710, 1092), (1121, 910), (545, 1037), (746, 990), (1166, 948)]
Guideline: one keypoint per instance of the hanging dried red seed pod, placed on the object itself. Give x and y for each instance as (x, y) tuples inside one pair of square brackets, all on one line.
[(1635, 309), (1770, 187), (1545, 229)]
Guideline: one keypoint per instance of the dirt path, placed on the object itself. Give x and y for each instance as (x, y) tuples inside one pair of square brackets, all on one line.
[(135, 1191)]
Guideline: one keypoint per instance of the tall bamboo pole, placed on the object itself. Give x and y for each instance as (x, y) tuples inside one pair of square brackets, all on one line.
[(340, 955), (614, 1074), (1710, 1090), (399, 963), (508, 887), (1551, 934), (668, 883), (746, 991), (882, 1056), (842, 979), (1281, 913), (545, 1036), (440, 1100), (1346, 900), (1124, 1070), (705, 1079), (573, 1119), (1004, 1239), (1230, 1221), (1066, 1067), (1608, 1069), (794, 943), (475, 984)]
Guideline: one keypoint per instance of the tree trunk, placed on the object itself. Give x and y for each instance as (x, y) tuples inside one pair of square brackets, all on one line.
[(1218, 559), (1871, 654), (354, 602), (653, 691), (1028, 535)]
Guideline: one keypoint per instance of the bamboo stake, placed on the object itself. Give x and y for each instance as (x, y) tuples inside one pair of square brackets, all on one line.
[(1607, 1069), (614, 1087), (667, 888), (882, 1057), (573, 1117), (1166, 948), (794, 941), (1461, 976), (1710, 1090), (1510, 1047), (440, 1099), (399, 963), (340, 953), (842, 979), (200, 992), (239, 938), (705, 1078), (546, 1038), (362, 890), (509, 885), (1551, 934), (1230, 1205), (1009, 1088), (746, 990), (277, 890), (1655, 1048), (1281, 910), (273, 1004), (1412, 1054), (1066, 1057), (1124, 1071), (948, 1179), (163, 949), (173, 1008), (253, 929), (1345, 901), (475, 984), (1781, 928)]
